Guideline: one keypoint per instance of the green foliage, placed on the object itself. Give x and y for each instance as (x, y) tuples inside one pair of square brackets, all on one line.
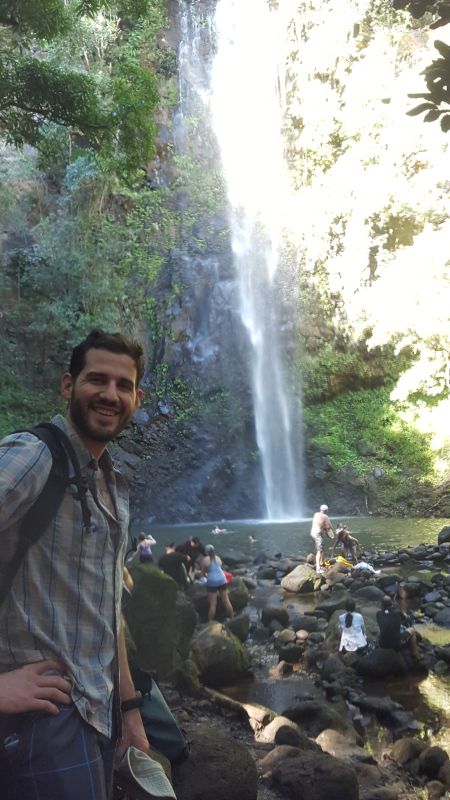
[(365, 429), (109, 102), (437, 79)]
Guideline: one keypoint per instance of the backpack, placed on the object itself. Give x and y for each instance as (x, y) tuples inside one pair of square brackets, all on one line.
[(38, 517)]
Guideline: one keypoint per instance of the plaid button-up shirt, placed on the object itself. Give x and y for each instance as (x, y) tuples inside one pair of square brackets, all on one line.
[(66, 595)]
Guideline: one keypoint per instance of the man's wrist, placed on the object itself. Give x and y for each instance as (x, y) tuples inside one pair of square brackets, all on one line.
[(133, 702)]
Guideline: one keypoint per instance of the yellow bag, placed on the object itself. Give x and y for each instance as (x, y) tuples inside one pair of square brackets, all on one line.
[(344, 561)]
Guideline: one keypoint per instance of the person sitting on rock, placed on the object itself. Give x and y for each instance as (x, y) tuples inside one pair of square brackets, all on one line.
[(216, 582), (351, 623), (347, 543), (394, 635)]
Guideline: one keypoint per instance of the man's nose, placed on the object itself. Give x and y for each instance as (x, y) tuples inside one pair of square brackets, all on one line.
[(109, 391)]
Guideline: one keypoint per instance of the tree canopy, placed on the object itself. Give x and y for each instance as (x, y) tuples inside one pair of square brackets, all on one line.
[(108, 102)]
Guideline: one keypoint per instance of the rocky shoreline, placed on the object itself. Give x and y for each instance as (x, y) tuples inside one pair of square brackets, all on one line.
[(316, 747)]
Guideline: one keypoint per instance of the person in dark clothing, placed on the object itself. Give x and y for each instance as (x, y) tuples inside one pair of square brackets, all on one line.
[(394, 635), (192, 548), (176, 565)]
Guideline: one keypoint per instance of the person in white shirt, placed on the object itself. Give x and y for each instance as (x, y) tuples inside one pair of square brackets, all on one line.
[(351, 623)]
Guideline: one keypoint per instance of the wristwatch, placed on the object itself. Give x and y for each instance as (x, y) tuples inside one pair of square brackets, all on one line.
[(133, 702)]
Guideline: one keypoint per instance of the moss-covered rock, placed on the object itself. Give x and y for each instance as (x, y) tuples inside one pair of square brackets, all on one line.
[(219, 656), (161, 621)]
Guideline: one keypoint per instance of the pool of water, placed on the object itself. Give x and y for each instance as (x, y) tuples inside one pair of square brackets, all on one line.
[(374, 533)]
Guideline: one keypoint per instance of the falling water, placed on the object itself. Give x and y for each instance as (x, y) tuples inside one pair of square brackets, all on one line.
[(246, 108)]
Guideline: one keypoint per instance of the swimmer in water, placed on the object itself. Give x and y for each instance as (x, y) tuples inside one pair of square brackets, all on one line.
[(252, 539)]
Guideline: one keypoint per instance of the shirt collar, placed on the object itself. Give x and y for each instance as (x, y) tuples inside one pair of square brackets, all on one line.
[(85, 457)]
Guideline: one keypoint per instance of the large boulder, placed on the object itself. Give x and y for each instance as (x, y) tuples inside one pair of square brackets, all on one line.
[(218, 767), (316, 776), (162, 648), (382, 662), (300, 580), (444, 535), (314, 716), (219, 656), (443, 617)]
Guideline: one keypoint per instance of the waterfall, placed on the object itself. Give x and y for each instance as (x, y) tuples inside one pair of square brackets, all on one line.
[(247, 118)]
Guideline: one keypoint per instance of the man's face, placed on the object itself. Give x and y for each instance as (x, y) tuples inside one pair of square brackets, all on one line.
[(102, 398)]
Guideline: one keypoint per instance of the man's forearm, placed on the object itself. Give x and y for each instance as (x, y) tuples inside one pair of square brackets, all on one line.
[(126, 685)]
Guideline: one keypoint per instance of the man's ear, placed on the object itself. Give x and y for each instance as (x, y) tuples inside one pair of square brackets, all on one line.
[(66, 385), (139, 396)]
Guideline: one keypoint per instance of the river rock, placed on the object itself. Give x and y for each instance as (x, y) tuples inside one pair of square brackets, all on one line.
[(343, 746), (431, 760), (280, 753), (380, 663), (316, 776), (219, 656), (444, 535), (218, 767), (314, 716), (444, 774), (443, 617), (239, 626), (278, 613), (300, 580)]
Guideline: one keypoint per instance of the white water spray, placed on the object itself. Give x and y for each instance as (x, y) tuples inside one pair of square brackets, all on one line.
[(247, 119)]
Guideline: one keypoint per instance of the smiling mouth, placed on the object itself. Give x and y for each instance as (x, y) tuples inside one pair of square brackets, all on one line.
[(106, 412)]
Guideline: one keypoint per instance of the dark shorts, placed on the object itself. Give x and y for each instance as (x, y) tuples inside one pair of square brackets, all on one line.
[(214, 589)]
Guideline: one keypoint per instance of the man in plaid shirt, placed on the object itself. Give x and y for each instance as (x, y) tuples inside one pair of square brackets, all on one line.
[(63, 663)]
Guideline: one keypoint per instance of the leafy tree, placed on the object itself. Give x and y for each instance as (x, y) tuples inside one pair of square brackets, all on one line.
[(111, 110), (437, 74)]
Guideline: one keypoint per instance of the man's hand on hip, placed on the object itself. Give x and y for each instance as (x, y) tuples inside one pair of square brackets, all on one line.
[(30, 689)]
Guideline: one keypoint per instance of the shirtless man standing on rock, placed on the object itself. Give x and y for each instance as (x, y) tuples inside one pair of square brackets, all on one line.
[(321, 525)]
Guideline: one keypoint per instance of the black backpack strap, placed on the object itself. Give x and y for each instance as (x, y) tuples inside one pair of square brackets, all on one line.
[(39, 516)]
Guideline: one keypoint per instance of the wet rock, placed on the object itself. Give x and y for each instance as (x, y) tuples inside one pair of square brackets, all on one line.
[(218, 654), (435, 790), (343, 746), (300, 580), (431, 760), (370, 594), (444, 774), (316, 777), (278, 613), (443, 617), (314, 716), (239, 626), (280, 753), (268, 732), (444, 535), (288, 735), (382, 662), (217, 761), (290, 652)]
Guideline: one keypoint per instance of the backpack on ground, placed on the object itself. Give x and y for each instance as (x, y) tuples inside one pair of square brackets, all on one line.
[(44, 509)]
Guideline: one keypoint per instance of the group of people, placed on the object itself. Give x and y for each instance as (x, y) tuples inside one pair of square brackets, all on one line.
[(321, 526), (180, 561), (394, 633)]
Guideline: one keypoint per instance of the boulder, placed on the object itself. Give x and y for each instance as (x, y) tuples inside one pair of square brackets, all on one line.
[(239, 626), (343, 746), (443, 617), (444, 535), (300, 580), (219, 656), (218, 766), (155, 597), (278, 613), (316, 776), (431, 760), (381, 662), (314, 716)]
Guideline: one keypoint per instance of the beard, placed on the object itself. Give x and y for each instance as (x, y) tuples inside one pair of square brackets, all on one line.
[(93, 429)]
